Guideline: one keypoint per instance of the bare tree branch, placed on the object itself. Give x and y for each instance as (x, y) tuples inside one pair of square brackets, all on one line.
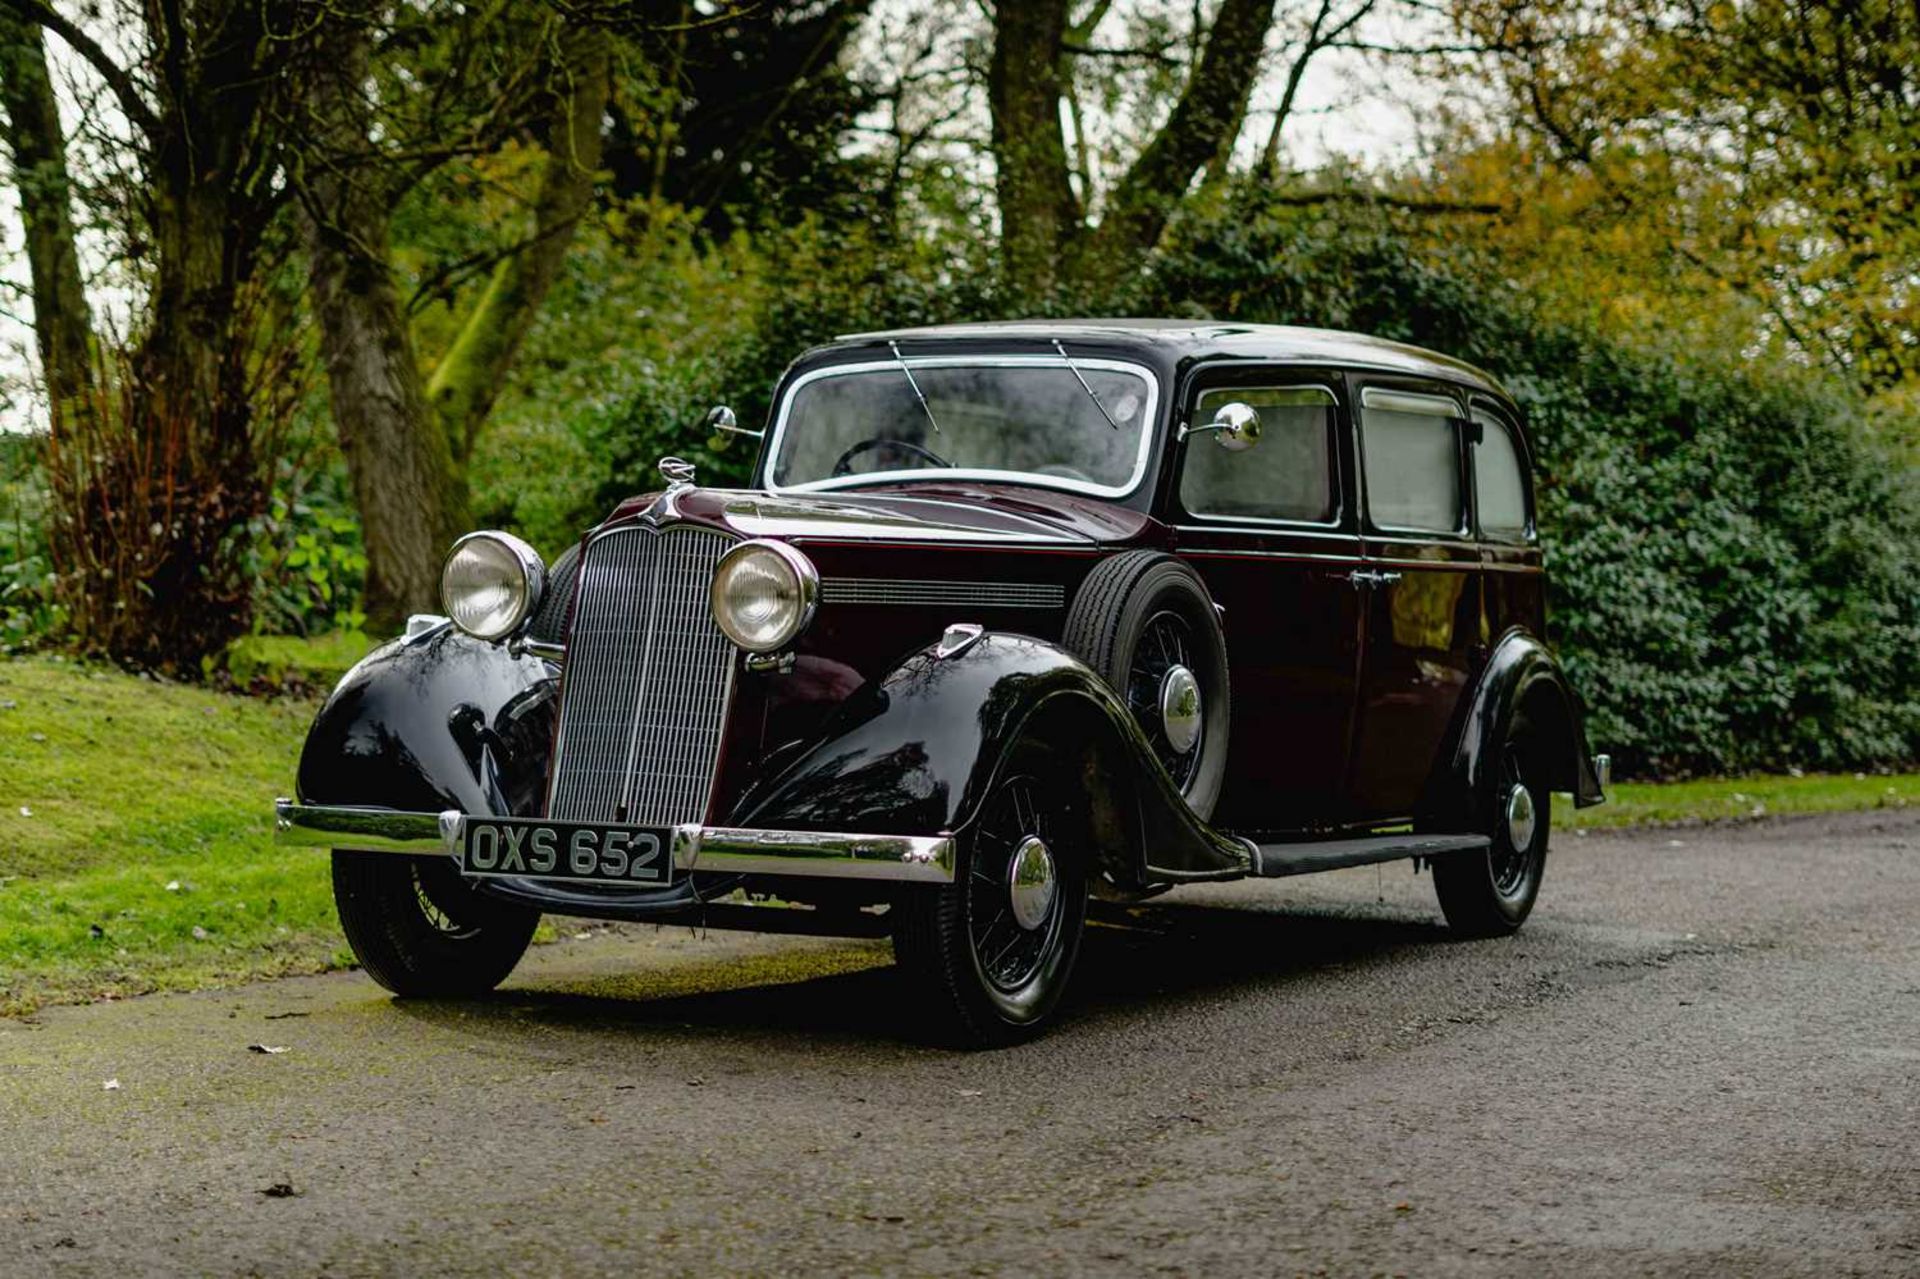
[(115, 75)]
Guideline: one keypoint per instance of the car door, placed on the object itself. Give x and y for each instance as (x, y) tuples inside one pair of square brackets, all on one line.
[(1421, 600), (1272, 531)]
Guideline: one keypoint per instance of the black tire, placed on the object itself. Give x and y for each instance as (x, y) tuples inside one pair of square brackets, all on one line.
[(421, 932), (1135, 615), (1491, 894), (978, 977)]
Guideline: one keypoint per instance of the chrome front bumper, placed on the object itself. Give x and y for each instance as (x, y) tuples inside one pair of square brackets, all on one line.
[(919, 859)]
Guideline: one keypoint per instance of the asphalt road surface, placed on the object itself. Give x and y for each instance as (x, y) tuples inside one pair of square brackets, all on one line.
[(1702, 1056)]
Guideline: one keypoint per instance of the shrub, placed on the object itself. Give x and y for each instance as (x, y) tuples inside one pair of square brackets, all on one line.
[(1733, 559)]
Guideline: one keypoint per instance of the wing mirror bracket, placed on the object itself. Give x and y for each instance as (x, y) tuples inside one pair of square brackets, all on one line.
[(721, 420), (1235, 427)]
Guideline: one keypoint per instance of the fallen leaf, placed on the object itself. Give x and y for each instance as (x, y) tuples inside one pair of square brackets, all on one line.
[(280, 1190), (267, 1048)]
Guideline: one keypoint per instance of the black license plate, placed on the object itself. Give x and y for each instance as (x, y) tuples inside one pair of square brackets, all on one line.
[(573, 851)]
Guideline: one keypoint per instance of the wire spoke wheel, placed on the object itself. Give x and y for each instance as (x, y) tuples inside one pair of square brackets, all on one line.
[(1166, 644), (1009, 950), (990, 954), (439, 916), (1513, 858), (1491, 893)]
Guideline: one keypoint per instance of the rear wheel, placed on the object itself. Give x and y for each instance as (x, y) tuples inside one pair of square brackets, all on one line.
[(419, 930), (991, 953), (1490, 894)]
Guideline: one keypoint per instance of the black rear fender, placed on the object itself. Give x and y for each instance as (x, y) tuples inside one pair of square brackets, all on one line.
[(1521, 676)]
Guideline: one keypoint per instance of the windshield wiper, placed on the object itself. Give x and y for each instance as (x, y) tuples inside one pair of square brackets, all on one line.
[(1075, 369), (908, 370)]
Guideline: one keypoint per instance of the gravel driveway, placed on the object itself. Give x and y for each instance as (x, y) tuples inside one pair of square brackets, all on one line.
[(1701, 1056)]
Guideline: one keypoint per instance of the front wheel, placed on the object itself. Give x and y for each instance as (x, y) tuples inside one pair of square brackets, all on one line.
[(989, 955), (419, 930), (1491, 894)]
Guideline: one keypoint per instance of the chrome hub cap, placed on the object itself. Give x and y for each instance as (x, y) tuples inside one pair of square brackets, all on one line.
[(1031, 883), (1520, 817), (1180, 708)]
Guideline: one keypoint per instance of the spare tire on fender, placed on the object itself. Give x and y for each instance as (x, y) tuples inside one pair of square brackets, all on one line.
[(1144, 621)]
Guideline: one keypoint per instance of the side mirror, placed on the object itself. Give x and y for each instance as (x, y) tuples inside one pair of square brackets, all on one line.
[(721, 420), (1235, 427)]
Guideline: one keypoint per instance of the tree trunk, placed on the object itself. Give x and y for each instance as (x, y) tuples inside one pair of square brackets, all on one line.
[(406, 439), (62, 325), (1039, 216), (469, 376), (1209, 111), (399, 459)]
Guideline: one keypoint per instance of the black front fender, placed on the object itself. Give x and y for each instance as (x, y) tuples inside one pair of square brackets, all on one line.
[(1522, 673), (917, 752), (438, 721)]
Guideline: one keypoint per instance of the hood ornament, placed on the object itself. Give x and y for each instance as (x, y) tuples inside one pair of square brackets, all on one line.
[(677, 471)]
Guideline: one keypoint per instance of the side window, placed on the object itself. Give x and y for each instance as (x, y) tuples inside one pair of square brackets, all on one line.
[(1499, 481), (1411, 454), (1288, 475)]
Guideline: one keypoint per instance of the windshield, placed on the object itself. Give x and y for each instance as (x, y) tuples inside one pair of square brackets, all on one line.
[(1027, 418)]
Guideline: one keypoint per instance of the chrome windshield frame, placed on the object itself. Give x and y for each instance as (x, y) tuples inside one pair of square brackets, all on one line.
[(1143, 454)]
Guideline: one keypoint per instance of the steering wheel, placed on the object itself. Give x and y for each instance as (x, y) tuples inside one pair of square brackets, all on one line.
[(843, 465)]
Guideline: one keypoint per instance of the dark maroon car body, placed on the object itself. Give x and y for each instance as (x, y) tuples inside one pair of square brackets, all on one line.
[(1376, 673)]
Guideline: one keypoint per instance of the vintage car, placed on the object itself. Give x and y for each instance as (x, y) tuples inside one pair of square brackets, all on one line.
[(1013, 616)]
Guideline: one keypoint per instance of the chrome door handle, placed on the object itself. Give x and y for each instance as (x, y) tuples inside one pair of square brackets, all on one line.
[(1367, 577)]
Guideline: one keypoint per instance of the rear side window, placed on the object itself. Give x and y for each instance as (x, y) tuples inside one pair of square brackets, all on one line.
[(1288, 475), (1411, 453), (1499, 481)]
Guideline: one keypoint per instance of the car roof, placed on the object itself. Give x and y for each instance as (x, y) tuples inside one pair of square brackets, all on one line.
[(1200, 339)]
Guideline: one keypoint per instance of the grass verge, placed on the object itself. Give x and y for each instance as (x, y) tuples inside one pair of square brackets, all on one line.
[(1739, 798), (135, 831)]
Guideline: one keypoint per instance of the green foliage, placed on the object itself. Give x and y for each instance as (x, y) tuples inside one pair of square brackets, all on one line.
[(1734, 576), (290, 662), (307, 561), (29, 609)]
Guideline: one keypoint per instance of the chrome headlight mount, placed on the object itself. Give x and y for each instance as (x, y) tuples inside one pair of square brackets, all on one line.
[(491, 584), (764, 595)]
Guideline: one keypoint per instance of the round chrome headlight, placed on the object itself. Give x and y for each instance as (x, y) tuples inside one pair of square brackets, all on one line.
[(492, 582), (764, 595)]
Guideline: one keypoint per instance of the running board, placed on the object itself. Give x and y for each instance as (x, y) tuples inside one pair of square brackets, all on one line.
[(1273, 860)]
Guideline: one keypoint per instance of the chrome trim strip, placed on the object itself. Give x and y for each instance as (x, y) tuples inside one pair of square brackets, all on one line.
[(1387, 399), (369, 830), (885, 590), (1149, 427), (918, 859), (922, 859)]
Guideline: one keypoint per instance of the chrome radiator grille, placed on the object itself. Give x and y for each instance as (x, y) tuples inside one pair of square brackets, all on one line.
[(648, 680)]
